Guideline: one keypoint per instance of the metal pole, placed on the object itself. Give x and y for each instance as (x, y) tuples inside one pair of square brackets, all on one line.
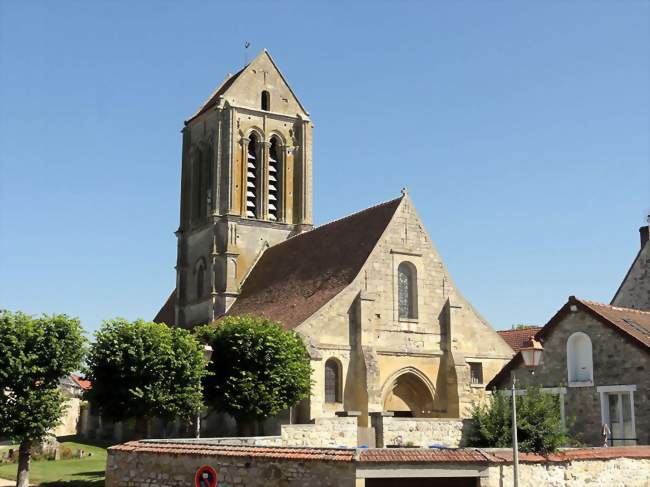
[(515, 446), (198, 424)]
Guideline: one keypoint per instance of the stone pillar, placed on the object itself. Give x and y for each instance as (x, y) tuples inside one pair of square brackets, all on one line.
[(264, 180), (377, 422), (216, 166), (305, 174)]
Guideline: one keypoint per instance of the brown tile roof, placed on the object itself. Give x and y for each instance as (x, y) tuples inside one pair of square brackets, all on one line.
[(417, 455), (374, 455), (206, 449), (518, 338), (167, 313), (295, 278), (83, 383), (632, 324)]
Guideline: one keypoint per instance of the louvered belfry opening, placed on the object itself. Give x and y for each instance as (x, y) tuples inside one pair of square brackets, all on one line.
[(251, 178), (274, 180)]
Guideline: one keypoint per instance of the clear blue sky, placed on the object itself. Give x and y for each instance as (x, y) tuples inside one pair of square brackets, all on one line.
[(520, 128)]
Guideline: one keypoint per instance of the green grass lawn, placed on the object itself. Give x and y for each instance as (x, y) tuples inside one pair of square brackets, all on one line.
[(77, 472)]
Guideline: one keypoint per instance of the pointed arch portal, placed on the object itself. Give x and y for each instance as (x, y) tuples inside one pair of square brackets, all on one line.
[(409, 392)]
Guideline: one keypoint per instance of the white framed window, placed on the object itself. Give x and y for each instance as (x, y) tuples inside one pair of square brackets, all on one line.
[(617, 412), (580, 365)]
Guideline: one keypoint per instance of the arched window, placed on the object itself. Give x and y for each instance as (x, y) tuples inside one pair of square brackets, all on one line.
[(407, 290), (332, 381), (274, 179), (252, 163), (266, 100), (580, 366)]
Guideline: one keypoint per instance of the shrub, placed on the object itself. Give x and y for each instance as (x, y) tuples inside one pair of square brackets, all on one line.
[(539, 423)]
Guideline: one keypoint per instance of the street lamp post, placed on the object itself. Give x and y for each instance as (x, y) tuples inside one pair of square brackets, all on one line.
[(533, 356), (207, 355)]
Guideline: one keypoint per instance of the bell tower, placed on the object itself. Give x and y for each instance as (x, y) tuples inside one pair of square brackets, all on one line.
[(246, 185)]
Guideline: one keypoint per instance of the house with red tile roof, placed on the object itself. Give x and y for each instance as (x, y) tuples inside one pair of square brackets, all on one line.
[(597, 360), (386, 327), (518, 337)]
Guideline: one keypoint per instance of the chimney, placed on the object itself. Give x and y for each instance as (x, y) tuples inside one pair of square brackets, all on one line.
[(644, 235)]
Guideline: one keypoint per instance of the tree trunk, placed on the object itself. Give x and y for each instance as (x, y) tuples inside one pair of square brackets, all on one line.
[(23, 463), (141, 428)]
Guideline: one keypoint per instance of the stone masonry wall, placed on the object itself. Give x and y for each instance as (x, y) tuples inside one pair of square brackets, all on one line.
[(635, 288), (423, 431), (125, 469), (617, 472), (325, 432)]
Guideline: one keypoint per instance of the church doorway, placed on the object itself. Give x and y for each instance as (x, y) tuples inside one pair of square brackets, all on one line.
[(409, 394)]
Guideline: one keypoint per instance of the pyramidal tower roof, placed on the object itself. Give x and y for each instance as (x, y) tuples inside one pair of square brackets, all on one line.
[(240, 77)]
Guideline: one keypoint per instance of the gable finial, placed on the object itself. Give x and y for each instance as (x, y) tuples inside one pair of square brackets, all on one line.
[(246, 46), (405, 191)]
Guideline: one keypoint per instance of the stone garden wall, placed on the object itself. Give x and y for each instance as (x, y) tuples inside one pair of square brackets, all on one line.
[(617, 472), (422, 432), (174, 464), (166, 468), (325, 432)]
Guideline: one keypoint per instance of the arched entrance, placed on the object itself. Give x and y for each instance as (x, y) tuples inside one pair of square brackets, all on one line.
[(409, 392)]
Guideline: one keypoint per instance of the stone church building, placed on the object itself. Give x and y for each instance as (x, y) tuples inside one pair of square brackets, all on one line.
[(387, 329)]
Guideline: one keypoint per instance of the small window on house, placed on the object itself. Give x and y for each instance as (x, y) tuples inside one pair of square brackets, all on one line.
[(266, 100), (332, 381), (476, 372), (407, 291), (579, 359)]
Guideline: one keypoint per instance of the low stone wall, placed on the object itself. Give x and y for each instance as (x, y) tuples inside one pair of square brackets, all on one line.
[(148, 464), (422, 432), (617, 472), (325, 432), (174, 464)]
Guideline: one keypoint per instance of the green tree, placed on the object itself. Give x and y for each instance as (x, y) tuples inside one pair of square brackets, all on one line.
[(539, 423), (257, 370), (35, 353), (140, 370)]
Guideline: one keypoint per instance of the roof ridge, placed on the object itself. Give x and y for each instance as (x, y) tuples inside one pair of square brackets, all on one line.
[(618, 308), (346, 217), (531, 327)]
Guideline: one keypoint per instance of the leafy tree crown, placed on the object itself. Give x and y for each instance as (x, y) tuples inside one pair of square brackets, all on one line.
[(35, 353), (142, 369), (258, 368)]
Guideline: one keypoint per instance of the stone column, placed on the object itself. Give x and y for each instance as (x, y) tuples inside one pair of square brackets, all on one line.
[(264, 180)]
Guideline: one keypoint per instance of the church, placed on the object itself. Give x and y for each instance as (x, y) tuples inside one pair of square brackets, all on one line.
[(386, 328)]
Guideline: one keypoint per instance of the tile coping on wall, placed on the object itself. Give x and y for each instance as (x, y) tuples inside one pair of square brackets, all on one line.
[(383, 455)]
